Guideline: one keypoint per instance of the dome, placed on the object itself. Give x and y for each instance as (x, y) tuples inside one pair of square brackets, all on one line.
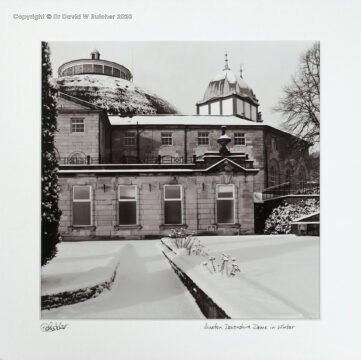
[(227, 83), (116, 96), (109, 85)]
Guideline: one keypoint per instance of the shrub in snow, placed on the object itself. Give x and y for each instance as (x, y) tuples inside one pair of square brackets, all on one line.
[(182, 240), (50, 213), (280, 218), (226, 265)]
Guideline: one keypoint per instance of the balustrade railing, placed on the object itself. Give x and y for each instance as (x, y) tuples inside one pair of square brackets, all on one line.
[(166, 159), (288, 188)]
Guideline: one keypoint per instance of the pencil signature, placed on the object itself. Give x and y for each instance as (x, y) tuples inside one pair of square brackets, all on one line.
[(53, 326)]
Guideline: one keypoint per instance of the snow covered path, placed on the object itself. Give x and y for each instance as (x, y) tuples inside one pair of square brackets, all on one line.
[(145, 287)]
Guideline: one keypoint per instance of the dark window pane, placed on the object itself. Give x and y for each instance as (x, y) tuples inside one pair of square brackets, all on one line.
[(98, 69), (127, 212), (172, 192), (81, 193), (225, 191), (172, 212), (116, 72), (88, 68), (81, 213), (126, 192), (108, 70), (225, 212), (78, 69)]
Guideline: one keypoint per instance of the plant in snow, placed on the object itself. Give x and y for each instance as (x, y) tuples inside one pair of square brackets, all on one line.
[(226, 265), (280, 218), (182, 240), (198, 248), (50, 213)]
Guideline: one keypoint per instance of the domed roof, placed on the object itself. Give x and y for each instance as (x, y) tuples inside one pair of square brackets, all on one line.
[(116, 96), (227, 83)]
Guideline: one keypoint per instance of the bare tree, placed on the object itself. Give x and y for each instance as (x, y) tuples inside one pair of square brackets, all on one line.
[(300, 104)]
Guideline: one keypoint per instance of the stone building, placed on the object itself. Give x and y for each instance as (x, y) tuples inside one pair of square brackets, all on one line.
[(140, 176)]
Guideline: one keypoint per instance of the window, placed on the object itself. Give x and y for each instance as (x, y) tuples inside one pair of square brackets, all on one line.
[(88, 68), (77, 125), (239, 139), (301, 175), (77, 158), (167, 138), (98, 69), (108, 70), (216, 108), (203, 138), (82, 203), (130, 138), (225, 204), (127, 204), (172, 204), (78, 69), (273, 176), (274, 143), (288, 175)]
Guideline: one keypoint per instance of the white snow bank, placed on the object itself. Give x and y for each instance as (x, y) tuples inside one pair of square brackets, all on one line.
[(279, 276), (79, 265), (145, 287)]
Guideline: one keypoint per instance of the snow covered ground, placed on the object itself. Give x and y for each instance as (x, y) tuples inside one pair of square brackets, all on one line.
[(279, 276), (145, 286), (79, 265)]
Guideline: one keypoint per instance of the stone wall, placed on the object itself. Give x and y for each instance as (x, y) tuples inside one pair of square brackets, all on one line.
[(282, 153), (150, 144), (86, 143), (198, 206)]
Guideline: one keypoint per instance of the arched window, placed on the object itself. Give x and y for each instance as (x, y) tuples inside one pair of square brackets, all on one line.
[(301, 178), (77, 158), (273, 176), (288, 175), (273, 173)]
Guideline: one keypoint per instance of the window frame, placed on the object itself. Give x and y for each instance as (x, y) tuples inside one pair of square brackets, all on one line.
[(288, 175), (90, 201), (73, 126), (237, 137), (273, 143), (234, 203), (273, 176), (173, 199), (125, 200), (201, 138), (130, 140), (166, 135)]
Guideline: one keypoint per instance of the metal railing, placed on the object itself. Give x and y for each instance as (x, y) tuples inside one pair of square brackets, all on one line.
[(166, 159), (288, 188), (79, 160)]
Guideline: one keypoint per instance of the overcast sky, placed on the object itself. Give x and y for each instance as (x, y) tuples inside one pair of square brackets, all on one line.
[(180, 71)]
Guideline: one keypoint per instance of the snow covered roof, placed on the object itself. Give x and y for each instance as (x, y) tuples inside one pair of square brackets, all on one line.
[(217, 120), (115, 95)]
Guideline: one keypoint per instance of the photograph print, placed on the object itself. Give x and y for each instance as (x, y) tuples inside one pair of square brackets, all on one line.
[(180, 180)]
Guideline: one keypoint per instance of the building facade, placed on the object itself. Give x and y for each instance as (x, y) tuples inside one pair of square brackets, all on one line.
[(138, 177)]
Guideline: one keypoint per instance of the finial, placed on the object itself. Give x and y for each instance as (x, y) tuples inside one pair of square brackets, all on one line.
[(226, 67), (223, 140), (241, 71)]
